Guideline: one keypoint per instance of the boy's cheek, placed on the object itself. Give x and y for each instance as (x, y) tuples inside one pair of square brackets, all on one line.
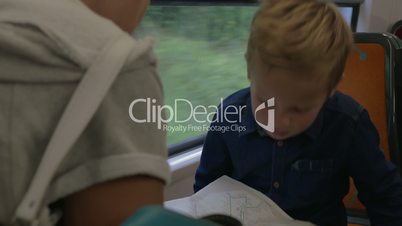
[(262, 117)]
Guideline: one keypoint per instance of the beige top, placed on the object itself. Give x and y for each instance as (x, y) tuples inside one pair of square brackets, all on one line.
[(45, 48)]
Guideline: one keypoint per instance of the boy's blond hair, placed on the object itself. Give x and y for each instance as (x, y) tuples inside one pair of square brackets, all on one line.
[(300, 34)]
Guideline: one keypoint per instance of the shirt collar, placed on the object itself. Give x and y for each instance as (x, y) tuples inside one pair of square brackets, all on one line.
[(315, 129)]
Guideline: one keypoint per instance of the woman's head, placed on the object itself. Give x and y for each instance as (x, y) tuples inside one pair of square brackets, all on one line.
[(126, 14)]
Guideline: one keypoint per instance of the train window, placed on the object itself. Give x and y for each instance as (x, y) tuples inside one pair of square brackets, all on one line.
[(347, 14), (200, 52), (350, 10), (200, 49)]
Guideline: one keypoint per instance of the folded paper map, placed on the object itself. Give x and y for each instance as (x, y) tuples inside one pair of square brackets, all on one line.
[(230, 197)]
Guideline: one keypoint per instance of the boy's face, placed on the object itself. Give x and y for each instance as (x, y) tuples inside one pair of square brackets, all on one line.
[(299, 96)]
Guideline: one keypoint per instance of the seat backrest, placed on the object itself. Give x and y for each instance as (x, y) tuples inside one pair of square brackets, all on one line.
[(397, 29), (370, 79), (398, 97)]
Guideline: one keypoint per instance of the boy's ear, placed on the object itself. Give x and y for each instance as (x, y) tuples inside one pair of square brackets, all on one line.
[(332, 92), (336, 87)]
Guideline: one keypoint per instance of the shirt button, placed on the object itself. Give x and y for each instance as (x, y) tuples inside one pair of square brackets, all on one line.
[(276, 184), (280, 143)]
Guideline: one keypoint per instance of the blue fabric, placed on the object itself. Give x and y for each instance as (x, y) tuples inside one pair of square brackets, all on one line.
[(307, 175)]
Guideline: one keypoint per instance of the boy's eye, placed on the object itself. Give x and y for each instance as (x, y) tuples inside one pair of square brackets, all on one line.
[(300, 110), (261, 101)]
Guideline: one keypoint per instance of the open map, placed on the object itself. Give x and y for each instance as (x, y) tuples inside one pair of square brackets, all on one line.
[(233, 198)]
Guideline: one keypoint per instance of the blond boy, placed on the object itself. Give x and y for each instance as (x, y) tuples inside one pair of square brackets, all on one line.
[(318, 137)]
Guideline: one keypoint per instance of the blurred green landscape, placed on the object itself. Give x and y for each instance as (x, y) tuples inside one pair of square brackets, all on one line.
[(200, 51)]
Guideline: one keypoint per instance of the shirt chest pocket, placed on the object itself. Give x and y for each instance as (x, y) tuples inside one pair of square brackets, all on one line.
[(313, 166), (310, 179)]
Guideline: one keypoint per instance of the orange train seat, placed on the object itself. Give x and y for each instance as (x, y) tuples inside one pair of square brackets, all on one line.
[(370, 79)]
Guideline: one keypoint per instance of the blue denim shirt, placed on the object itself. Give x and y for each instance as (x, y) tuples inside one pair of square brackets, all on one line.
[(306, 175)]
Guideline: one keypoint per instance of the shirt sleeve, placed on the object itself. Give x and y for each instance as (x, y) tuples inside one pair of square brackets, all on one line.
[(215, 159), (378, 181), (113, 145)]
